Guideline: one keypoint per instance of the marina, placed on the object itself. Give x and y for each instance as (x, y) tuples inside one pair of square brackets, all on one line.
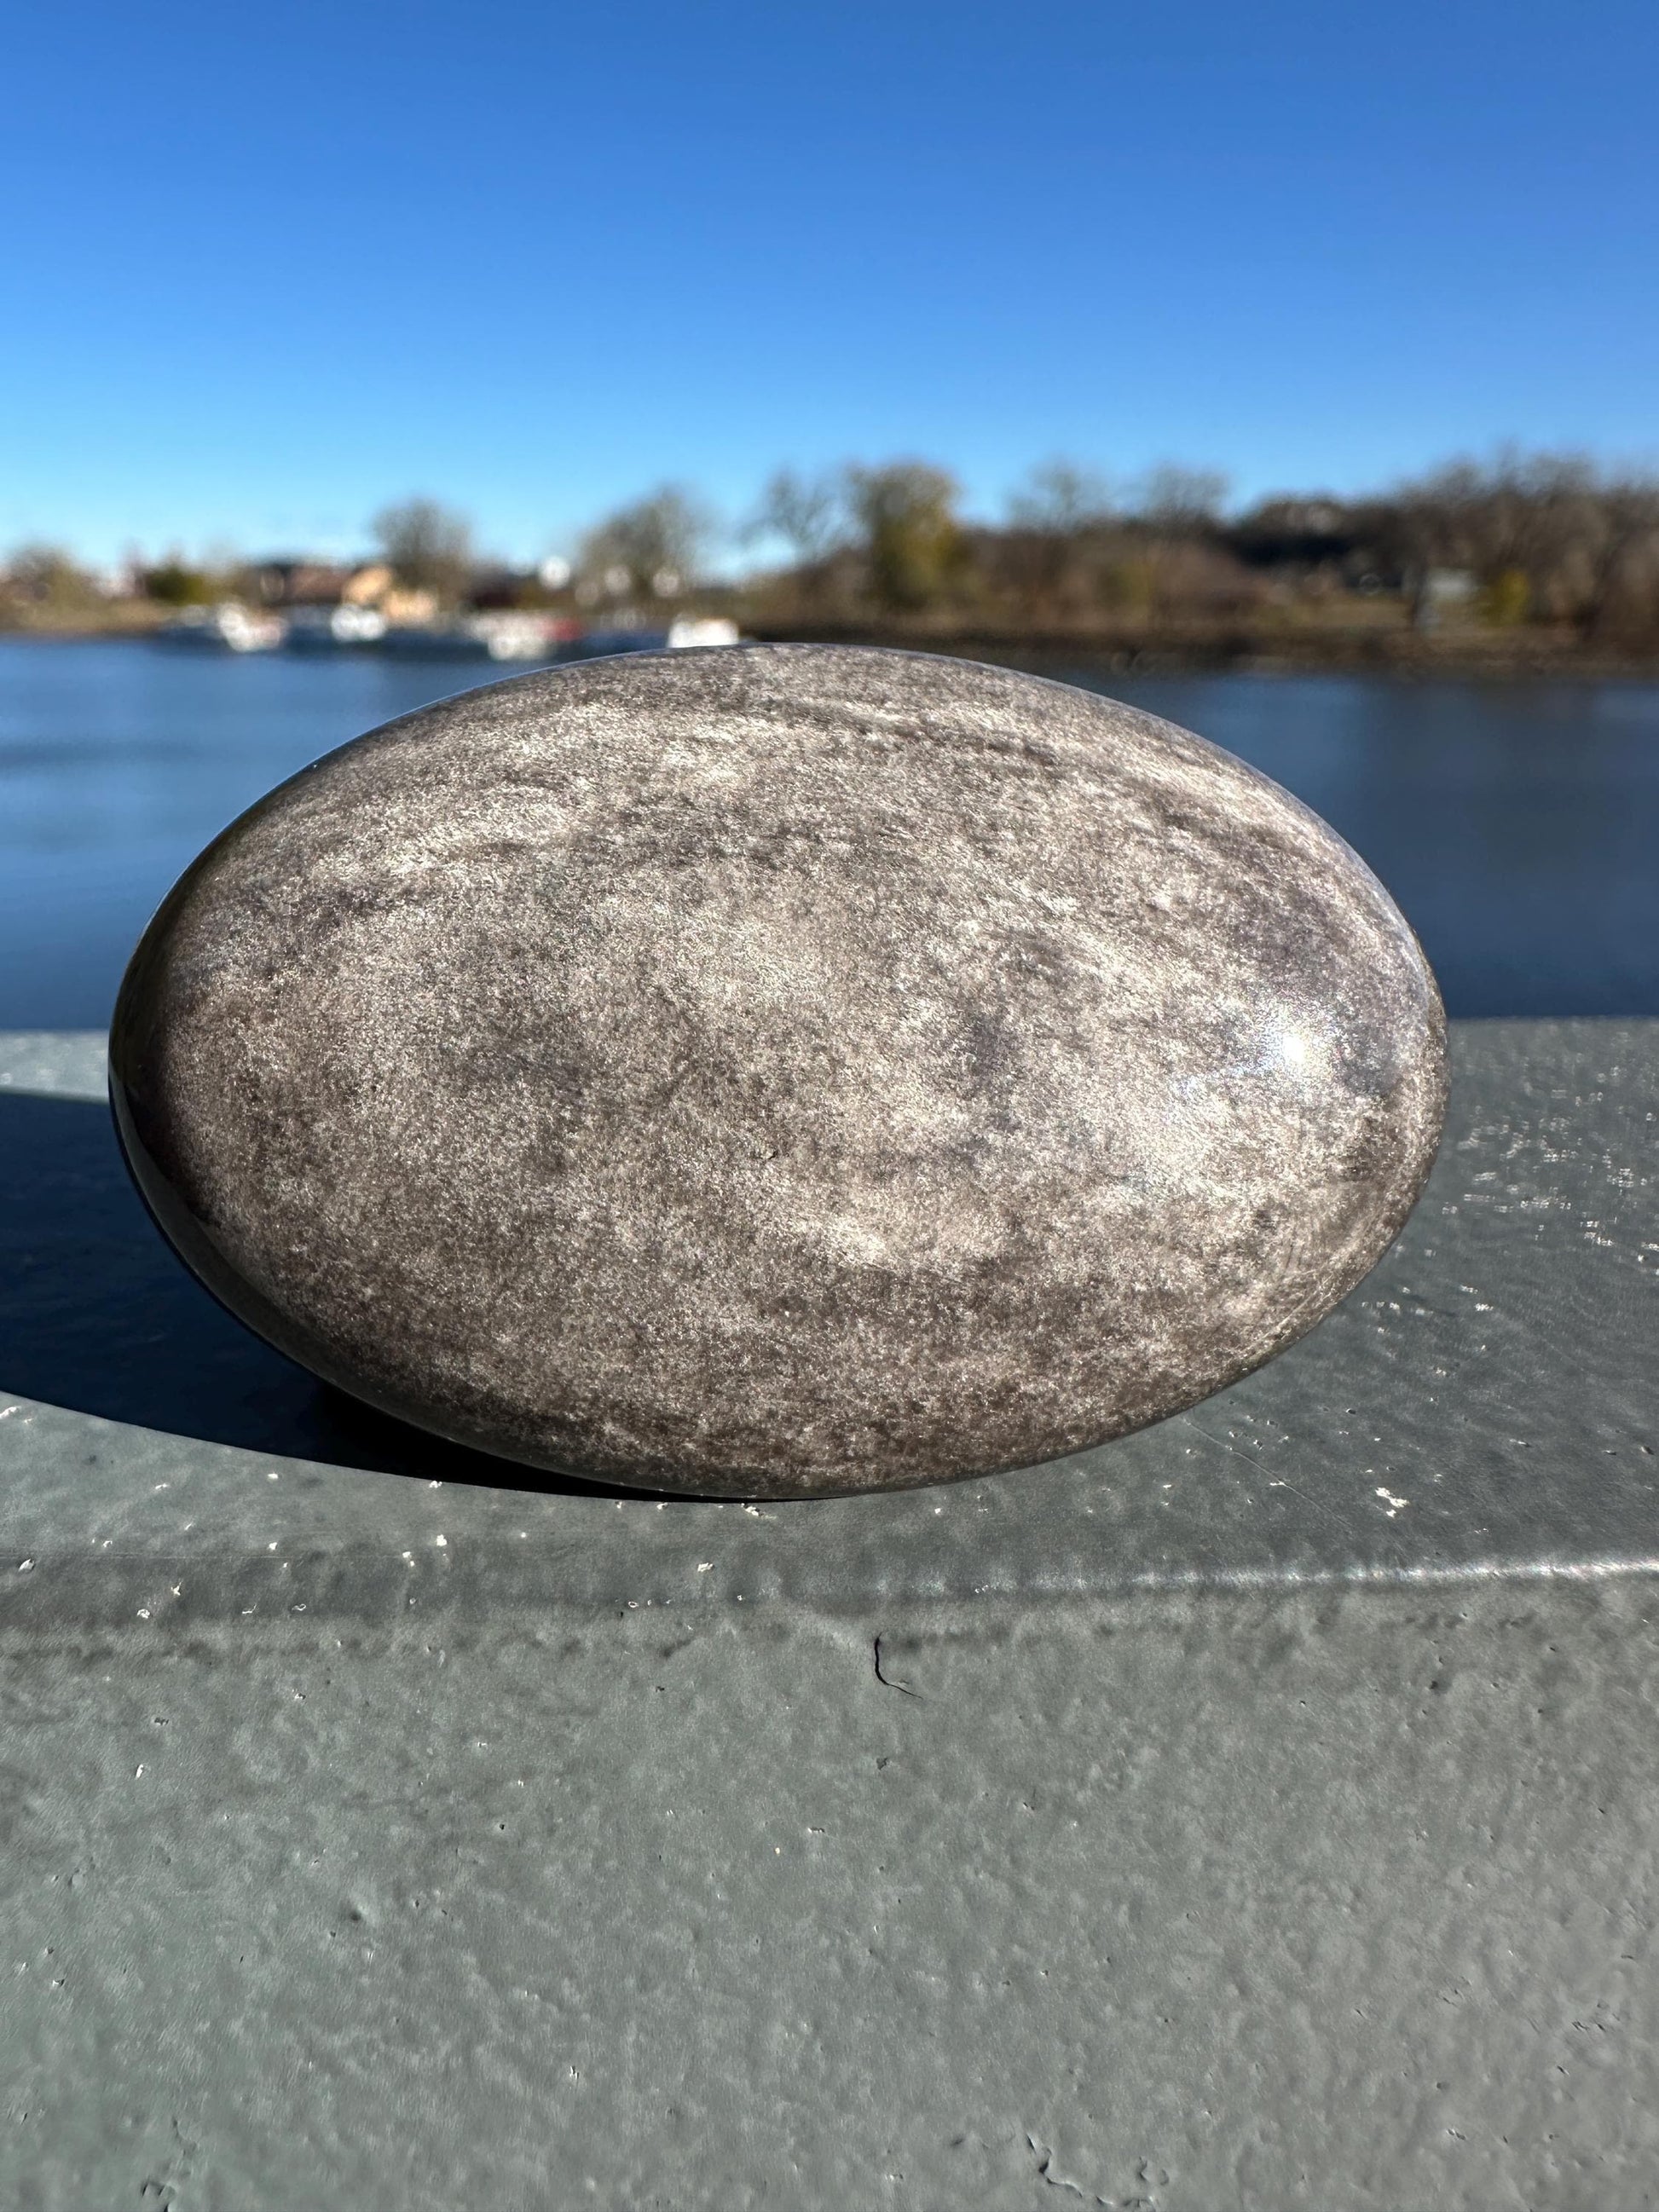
[(501, 635)]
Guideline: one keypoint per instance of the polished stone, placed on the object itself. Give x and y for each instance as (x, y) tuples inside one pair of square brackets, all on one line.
[(780, 1070)]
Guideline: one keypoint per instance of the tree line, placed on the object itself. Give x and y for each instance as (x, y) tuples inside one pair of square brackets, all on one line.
[(1555, 540), (1549, 540)]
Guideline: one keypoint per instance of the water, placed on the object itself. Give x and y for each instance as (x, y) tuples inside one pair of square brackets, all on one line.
[(1516, 825)]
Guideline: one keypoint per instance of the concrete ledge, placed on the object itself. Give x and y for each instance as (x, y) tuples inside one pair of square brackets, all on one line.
[(376, 1843), (1486, 1403)]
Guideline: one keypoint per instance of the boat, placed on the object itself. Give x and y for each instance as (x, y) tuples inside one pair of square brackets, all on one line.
[(227, 627), (506, 635), (685, 632), (334, 630)]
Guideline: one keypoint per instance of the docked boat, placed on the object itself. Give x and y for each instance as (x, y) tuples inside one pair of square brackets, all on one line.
[(684, 632), (508, 634), (335, 629), (700, 630), (227, 627)]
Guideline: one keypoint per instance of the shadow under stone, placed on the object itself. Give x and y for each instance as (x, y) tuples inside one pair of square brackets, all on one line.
[(97, 1315)]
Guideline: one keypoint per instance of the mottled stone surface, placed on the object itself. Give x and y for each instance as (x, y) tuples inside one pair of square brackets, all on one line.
[(780, 1070)]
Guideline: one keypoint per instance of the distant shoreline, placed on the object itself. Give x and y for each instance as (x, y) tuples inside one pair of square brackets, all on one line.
[(1187, 649), (1370, 652)]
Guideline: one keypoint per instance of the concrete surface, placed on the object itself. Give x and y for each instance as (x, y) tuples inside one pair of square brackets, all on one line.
[(1261, 1840)]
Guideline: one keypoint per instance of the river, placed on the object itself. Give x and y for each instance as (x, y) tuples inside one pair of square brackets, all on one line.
[(1518, 824)]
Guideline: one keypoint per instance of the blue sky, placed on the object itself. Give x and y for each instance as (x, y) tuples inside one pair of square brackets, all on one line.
[(263, 270)]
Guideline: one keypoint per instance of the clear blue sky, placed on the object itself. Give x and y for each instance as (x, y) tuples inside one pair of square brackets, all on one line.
[(264, 270)]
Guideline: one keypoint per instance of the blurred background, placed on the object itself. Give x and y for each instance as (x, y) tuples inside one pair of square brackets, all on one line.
[(1291, 371)]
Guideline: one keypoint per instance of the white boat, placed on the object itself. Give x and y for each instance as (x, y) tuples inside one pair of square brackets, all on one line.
[(684, 631), (228, 628), (501, 636), (510, 636), (334, 630)]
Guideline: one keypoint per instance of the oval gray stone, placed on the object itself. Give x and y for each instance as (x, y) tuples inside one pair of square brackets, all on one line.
[(779, 1070)]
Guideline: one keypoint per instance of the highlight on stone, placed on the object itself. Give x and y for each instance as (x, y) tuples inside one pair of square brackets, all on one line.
[(779, 1071)]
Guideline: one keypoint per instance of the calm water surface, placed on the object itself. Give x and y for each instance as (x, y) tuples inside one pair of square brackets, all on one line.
[(1517, 825)]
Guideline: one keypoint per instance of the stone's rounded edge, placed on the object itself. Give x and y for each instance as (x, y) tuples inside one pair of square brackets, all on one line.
[(204, 1259), (121, 1043)]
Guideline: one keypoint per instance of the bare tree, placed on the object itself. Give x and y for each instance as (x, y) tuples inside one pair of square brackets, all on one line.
[(1061, 497), (1180, 500), (429, 546), (1548, 535), (807, 513), (1512, 512), (1622, 560), (652, 548)]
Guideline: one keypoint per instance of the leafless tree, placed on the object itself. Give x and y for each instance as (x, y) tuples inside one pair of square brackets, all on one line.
[(1061, 498), (1177, 500), (807, 513), (1551, 534), (653, 548), (1622, 562), (429, 546)]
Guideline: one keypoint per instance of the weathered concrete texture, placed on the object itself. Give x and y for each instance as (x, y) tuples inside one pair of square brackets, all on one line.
[(356, 1853), (778, 1071), (1330, 1902)]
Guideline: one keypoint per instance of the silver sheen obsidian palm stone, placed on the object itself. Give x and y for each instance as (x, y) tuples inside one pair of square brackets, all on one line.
[(779, 1070)]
